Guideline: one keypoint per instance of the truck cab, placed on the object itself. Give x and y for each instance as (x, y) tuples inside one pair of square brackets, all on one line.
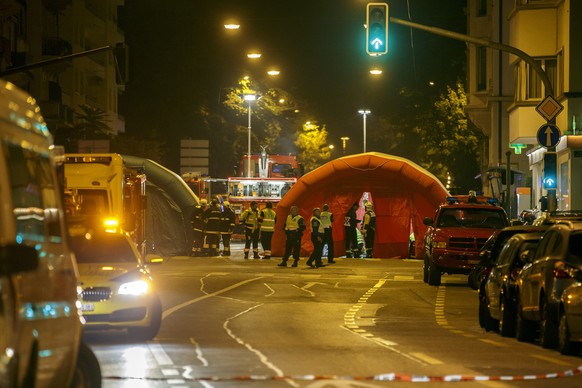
[(456, 234)]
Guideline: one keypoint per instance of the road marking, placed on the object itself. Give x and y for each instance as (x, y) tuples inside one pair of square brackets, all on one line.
[(403, 278), (272, 290), (494, 343), (551, 359), (159, 354), (170, 372), (428, 359), (172, 310), (198, 351), (311, 293)]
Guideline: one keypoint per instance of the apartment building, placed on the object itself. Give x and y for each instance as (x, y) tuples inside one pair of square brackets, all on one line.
[(504, 90), (33, 31)]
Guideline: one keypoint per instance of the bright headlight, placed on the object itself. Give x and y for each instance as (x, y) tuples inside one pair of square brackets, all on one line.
[(138, 287)]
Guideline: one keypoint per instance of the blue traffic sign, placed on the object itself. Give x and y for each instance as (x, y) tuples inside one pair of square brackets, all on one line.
[(549, 135)]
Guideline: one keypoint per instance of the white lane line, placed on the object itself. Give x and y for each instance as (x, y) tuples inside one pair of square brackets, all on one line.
[(264, 360), (172, 310), (428, 359), (170, 372), (270, 288), (198, 350), (159, 354), (311, 293)]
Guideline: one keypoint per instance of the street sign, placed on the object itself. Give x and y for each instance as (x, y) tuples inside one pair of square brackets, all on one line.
[(549, 135), (549, 108)]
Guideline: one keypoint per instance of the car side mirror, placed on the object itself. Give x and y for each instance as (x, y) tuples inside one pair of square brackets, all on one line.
[(17, 258), (427, 221)]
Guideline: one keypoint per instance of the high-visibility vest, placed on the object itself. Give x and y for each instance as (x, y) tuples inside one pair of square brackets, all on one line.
[(251, 218), (326, 219), (316, 225), (292, 223), (369, 220), (268, 216)]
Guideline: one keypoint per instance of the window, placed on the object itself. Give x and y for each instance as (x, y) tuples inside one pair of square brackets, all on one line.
[(34, 195), (529, 83), (481, 7), (481, 68)]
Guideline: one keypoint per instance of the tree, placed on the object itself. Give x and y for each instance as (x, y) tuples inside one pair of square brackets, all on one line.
[(312, 143), (148, 145), (92, 123)]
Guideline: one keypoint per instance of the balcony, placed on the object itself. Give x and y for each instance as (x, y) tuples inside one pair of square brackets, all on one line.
[(56, 47)]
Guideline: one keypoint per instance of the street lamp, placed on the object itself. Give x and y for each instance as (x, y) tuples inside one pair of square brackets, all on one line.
[(249, 97), (364, 112), (344, 140)]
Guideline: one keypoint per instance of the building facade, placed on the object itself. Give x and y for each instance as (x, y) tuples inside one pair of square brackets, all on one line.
[(504, 90), (36, 31)]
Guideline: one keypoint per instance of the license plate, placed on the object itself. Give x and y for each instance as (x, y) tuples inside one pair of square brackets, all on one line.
[(473, 261), (87, 307)]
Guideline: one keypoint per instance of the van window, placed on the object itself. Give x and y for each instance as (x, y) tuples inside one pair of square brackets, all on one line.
[(34, 195)]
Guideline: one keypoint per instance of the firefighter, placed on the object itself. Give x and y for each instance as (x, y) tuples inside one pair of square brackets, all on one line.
[(212, 216), (227, 227), (316, 239), (250, 219), (350, 235), (294, 227), (369, 228), (326, 223), (199, 227), (269, 218)]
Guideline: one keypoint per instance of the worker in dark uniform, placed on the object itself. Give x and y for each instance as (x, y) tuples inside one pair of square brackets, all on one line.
[(294, 227), (369, 228), (212, 216), (326, 223), (250, 219), (199, 226), (350, 235), (316, 239), (227, 227), (269, 218)]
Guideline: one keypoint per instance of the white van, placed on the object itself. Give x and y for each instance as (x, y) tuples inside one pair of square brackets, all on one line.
[(40, 323)]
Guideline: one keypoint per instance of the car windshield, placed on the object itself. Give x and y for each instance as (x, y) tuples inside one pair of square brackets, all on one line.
[(472, 218), (103, 249)]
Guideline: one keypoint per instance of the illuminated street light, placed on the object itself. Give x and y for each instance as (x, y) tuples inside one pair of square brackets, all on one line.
[(232, 26), (364, 112), (249, 97), (254, 55), (344, 140), (273, 72), (376, 71)]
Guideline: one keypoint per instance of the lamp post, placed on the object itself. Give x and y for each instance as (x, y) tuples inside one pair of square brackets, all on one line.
[(344, 140), (364, 112), (249, 97)]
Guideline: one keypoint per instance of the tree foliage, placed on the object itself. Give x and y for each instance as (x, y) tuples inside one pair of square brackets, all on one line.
[(312, 141)]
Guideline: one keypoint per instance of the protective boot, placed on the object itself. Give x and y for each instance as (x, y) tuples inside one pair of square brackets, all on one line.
[(256, 255), (295, 262)]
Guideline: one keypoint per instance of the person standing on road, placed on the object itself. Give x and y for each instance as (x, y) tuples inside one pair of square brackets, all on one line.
[(199, 226), (269, 218), (369, 228), (213, 216), (250, 219), (326, 223), (316, 239), (227, 227), (350, 235), (294, 227)]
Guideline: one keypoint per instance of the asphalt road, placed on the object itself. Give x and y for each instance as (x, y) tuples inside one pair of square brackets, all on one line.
[(357, 323)]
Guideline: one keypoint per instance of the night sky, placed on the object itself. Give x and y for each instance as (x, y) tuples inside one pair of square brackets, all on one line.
[(181, 58)]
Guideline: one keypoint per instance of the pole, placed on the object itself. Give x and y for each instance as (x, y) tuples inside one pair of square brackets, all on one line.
[(364, 132), (508, 184), (249, 145)]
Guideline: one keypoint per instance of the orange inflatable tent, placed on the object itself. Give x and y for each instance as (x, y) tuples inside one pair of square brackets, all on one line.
[(403, 194)]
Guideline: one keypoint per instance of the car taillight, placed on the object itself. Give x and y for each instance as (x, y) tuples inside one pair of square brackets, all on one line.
[(563, 271)]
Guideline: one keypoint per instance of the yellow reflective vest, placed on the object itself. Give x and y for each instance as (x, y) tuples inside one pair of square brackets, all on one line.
[(268, 216)]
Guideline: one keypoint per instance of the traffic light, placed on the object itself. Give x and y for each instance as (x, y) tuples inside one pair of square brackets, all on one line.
[(377, 28), (550, 170)]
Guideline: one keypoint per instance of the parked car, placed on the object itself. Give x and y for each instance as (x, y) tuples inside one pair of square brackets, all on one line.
[(541, 283), (117, 289), (550, 218), (490, 250), (497, 296), (570, 324)]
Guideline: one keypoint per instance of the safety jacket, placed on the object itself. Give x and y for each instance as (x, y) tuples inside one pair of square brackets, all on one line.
[(227, 221), (369, 221), (198, 223), (269, 217), (316, 228), (294, 224), (326, 219), (250, 218), (213, 215)]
